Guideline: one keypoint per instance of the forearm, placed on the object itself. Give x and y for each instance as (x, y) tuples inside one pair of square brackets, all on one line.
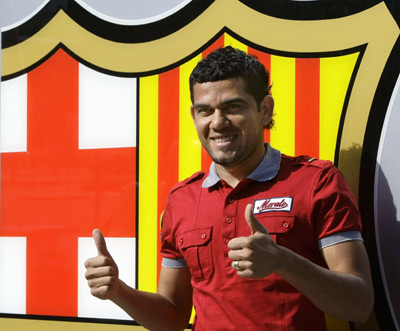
[(168, 309), (151, 310), (343, 295)]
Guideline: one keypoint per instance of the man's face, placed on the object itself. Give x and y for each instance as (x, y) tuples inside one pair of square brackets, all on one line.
[(229, 122)]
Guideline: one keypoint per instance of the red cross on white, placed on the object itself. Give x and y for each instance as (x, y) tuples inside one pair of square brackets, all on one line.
[(68, 165)]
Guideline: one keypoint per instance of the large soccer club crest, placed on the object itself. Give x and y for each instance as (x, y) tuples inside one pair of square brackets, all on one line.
[(96, 128)]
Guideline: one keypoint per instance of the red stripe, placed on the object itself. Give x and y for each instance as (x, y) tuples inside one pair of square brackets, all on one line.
[(52, 88), (265, 59), (307, 107), (168, 137), (214, 46)]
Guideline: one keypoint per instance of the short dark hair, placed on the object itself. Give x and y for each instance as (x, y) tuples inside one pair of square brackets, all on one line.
[(229, 62)]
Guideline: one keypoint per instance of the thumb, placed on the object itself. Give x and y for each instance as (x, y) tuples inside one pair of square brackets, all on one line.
[(252, 221), (100, 243)]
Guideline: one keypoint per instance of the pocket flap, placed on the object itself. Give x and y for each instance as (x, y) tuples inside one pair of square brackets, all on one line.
[(277, 224), (195, 237)]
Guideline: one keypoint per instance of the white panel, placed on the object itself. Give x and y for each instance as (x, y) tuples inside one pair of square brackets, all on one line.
[(130, 12), (387, 204), (14, 13), (123, 250), (13, 115), (13, 275), (107, 110), (388, 158)]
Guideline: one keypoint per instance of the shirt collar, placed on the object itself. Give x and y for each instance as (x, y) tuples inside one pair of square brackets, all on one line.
[(266, 170)]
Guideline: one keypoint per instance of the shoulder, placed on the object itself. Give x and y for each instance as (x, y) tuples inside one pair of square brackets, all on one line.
[(309, 169), (307, 161), (196, 178)]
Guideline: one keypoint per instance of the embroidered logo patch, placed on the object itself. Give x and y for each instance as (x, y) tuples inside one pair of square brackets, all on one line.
[(272, 204)]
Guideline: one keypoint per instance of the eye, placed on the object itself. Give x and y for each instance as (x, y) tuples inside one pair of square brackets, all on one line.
[(204, 111), (233, 107)]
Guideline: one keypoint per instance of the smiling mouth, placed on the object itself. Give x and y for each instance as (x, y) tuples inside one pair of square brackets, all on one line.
[(220, 140)]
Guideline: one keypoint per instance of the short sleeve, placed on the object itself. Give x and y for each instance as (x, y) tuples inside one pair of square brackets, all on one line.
[(334, 208), (168, 246), (339, 238)]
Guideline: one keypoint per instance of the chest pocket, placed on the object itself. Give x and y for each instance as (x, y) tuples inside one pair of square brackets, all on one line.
[(196, 248), (277, 225)]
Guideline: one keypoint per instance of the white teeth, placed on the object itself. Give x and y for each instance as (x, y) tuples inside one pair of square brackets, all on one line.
[(223, 139)]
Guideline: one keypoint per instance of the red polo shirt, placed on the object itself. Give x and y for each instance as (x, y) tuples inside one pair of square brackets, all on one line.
[(300, 202)]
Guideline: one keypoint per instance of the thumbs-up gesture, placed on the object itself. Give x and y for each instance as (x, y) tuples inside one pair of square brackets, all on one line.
[(102, 271), (256, 256)]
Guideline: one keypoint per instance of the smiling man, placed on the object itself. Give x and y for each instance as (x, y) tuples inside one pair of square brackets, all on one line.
[(262, 240), (230, 125)]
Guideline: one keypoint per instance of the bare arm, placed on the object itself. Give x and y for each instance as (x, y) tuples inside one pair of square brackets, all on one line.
[(168, 309), (343, 291)]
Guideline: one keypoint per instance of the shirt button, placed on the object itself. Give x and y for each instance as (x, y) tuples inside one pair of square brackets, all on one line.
[(228, 220), (180, 241), (204, 236), (285, 225)]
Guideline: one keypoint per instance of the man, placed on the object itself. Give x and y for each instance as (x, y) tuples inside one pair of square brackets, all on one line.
[(262, 240)]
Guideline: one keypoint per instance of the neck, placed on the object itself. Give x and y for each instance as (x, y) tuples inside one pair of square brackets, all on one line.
[(233, 174)]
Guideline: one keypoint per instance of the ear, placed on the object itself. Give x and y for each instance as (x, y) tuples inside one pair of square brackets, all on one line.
[(192, 114), (192, 111), (267, 109)]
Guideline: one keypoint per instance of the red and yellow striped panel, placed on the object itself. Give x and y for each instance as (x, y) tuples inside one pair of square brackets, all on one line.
[(309, 95)]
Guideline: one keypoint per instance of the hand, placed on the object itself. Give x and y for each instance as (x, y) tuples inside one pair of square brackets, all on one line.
[(102, 271), (257, 254)]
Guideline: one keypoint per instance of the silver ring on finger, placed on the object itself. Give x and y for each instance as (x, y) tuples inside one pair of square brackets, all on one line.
[(236, 266)]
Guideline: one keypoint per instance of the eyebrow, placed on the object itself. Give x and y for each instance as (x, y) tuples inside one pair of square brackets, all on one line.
[(224, 103), (200, 105)]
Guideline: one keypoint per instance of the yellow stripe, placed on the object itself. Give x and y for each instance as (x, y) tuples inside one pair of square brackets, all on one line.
[(189, 143), (283, 91), (230, 41), (335, 77), (148, 183)]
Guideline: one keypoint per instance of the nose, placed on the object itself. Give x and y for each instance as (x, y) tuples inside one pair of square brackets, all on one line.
[(219, 120)]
